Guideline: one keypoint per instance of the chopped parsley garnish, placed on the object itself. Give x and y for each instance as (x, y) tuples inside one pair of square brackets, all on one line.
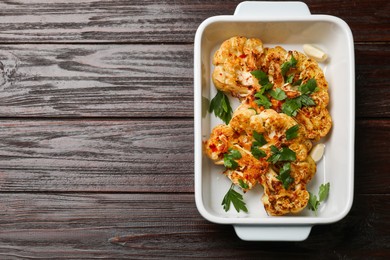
[(230, 157), (292, 132), (243, 184), (278, 94), (257, 152), (262, 100), (323, 194), (266, 85), (221, 106), (262, 77), (234, 197), (297, 83), (309, 87), (290, 78), (292, 63), (259, 141), (291, 106), (284, 154), (284, 175)]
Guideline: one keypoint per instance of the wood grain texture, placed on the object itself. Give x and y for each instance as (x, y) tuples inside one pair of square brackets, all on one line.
[(137, 80), (96, 80), (138, 155), (96, 134), (97, 155), (372, 80), (372, 153), (141, 226), (156, 21)]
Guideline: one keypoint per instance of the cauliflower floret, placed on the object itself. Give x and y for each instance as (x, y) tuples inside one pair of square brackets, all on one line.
[(234, 61)]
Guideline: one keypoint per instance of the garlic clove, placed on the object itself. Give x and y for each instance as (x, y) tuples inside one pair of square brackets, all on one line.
[(317, 152), (315, 52)]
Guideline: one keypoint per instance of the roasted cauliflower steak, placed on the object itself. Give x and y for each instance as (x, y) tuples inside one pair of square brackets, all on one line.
[(292, 117)]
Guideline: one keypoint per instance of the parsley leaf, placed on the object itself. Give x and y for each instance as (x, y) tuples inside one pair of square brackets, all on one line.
[(266, 85), (221, 106), (323, 194), (262, 77), (290, 78), (291, 106), (257, 152), (313, 202), (292, 63), (234, 197), (292, 132), (306, 101), (260, 140), (284, 175), (297, 83), (278, 94), (243, 184), (309, 87), (262, 100), (284, 154), (230, 157)]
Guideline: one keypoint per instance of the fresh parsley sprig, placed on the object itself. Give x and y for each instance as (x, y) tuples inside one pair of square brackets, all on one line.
[(262, 77), (309, 87), (292, 63), (291, 106), (284, 175), (292, 132), (221, 106), (262, 100), (230, 157), (266, 85), (278, 94), (285, 154), (323, 194), (234, 197), (259, 141)]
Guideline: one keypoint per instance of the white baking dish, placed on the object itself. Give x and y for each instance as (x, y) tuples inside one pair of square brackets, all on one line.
[(290, 25)]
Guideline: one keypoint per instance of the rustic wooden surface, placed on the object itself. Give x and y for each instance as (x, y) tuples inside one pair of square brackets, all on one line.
[(96, 134)]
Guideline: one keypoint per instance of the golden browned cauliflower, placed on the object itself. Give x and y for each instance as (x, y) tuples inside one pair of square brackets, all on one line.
[(233, 62), (284, 98), (286, 70), (290, 71)]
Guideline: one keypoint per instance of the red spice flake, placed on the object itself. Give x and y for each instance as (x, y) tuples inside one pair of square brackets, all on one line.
[(243, 56), (276, 105), (213, 148)]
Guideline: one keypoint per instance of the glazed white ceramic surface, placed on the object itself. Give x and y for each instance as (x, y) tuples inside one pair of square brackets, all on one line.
[(290, 25)]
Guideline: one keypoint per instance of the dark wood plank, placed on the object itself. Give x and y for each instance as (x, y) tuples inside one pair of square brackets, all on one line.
[(156, 21), (138, 80), (140, 226), (96, 80), (97, 155), (138, 155), (372, 153), (372, 80)]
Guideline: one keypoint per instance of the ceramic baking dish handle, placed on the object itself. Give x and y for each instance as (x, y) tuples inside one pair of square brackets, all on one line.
[(271, 9), (273, 233)]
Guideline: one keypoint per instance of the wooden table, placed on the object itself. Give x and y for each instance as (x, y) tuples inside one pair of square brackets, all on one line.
[(96, 134)]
